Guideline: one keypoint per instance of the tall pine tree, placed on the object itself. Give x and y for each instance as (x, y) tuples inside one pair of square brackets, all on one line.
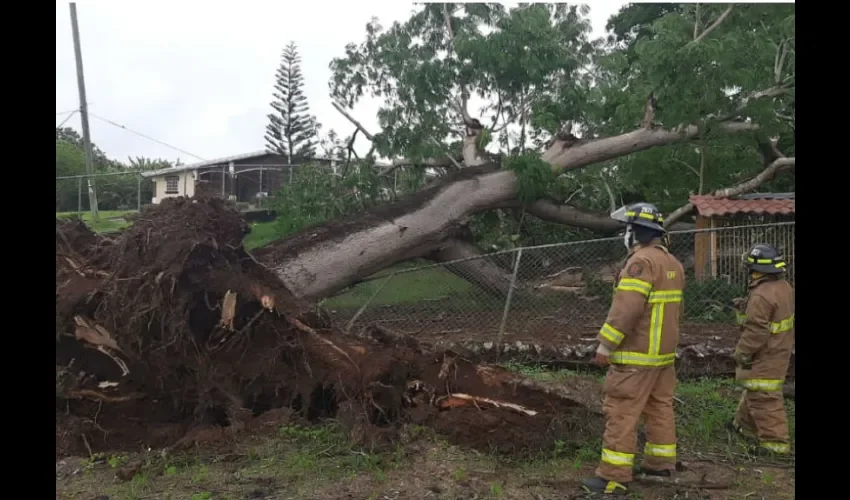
[(291, 131)]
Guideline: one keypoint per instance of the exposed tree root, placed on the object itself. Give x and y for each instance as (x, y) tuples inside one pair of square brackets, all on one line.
[(173, 323)]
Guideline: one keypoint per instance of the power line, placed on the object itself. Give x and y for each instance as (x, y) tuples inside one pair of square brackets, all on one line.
[(67, 111), (73, 112), (100, 174), (145, 136)]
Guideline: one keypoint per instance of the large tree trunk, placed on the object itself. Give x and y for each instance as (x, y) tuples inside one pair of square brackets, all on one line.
[(324, 259), (483, 273)]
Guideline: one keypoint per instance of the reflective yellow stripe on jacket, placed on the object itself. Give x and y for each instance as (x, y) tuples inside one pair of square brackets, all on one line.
[(633, 285), (658, 299), (785, 325), (782, 326)]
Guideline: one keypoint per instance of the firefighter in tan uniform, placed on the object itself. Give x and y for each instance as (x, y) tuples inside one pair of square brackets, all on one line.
[(638, 341), (763, 352)]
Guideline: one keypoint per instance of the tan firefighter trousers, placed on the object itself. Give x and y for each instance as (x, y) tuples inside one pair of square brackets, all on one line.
[(761, 415), (629, 393)]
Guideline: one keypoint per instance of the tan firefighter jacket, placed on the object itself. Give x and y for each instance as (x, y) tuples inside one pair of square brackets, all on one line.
[(642, 327), (767, 334)]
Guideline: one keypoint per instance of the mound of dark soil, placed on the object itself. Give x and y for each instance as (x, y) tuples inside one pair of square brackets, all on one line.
[(172, 323)]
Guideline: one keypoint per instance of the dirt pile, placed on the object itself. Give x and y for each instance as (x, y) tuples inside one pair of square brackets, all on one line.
[(171, 324)]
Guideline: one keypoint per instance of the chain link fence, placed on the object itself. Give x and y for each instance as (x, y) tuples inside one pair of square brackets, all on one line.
[(558, 292)]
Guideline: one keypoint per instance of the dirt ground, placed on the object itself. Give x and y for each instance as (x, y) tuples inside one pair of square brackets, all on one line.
[(278, 459), (431, 471)]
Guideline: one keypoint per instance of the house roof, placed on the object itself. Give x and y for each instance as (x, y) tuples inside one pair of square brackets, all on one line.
[(206, 163), (755, 203), (223, 161)]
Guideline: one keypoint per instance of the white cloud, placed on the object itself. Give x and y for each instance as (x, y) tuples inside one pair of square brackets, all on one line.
[(199, 75)]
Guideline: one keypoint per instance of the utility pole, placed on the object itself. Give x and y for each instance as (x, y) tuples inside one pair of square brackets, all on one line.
[(84, 113)]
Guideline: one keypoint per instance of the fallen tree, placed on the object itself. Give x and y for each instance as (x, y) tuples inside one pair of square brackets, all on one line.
[(323, 259), (172, 323), (428, 102)]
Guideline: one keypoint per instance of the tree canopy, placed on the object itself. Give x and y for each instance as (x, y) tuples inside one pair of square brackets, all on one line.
[(119, 192), (534, 76)]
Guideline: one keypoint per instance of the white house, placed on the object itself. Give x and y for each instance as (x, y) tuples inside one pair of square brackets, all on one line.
[(242, 177)]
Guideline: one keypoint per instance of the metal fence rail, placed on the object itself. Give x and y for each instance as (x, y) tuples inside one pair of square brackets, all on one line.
[(559, 290)]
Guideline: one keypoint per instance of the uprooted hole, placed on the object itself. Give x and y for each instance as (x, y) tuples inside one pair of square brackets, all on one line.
[(217, 415), (323, 403), (203, 315)]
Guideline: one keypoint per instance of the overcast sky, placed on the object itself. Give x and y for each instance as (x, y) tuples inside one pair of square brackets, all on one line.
[(198, 75)]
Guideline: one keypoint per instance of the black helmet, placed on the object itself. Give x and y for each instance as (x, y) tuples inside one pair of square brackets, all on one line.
[(764, 258), (641, 214)]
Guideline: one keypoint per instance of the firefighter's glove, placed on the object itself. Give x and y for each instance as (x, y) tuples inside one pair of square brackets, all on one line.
[(600, 360), (742, 360), (601, 356)]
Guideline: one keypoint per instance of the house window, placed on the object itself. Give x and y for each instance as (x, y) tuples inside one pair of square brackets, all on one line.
[(172, 184)]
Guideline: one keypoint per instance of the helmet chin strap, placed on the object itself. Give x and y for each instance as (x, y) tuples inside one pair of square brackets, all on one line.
[(629, 237)]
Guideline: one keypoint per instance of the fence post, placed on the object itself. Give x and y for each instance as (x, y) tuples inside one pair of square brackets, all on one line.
[(80, 197), (509, 297), (139, 192), (366, 304)]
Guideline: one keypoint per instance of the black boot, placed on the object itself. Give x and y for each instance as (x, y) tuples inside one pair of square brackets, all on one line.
[(734, 428), (599, 485), (767, 451)]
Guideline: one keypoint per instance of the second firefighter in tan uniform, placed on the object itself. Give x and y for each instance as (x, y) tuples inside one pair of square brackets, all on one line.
[(763, 352), (639, 340)]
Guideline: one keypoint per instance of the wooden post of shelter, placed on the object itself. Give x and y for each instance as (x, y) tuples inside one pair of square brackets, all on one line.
[(702, 240)]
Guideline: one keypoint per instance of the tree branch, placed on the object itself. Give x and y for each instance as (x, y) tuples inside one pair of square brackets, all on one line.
[(354, 122), (779, 60), (445, 162), (752, 184), (567, 152), (474, 128), (686, 164), (442, 162), (611, 200), (697, 21), (714, 25), (571, 216)]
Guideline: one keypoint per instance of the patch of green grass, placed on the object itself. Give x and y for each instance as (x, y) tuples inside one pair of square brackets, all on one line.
[(433, 288), (703, 406), (544, 374), (496, 490), (460, 474), (262, 233), (108, 220), (320, 462), (303, 457), (327, 452), (702, 410)]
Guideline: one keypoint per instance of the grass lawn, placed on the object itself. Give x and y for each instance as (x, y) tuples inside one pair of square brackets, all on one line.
[(407, 288), (110, 220), (262, 233), (410, 288), (293, 462)]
